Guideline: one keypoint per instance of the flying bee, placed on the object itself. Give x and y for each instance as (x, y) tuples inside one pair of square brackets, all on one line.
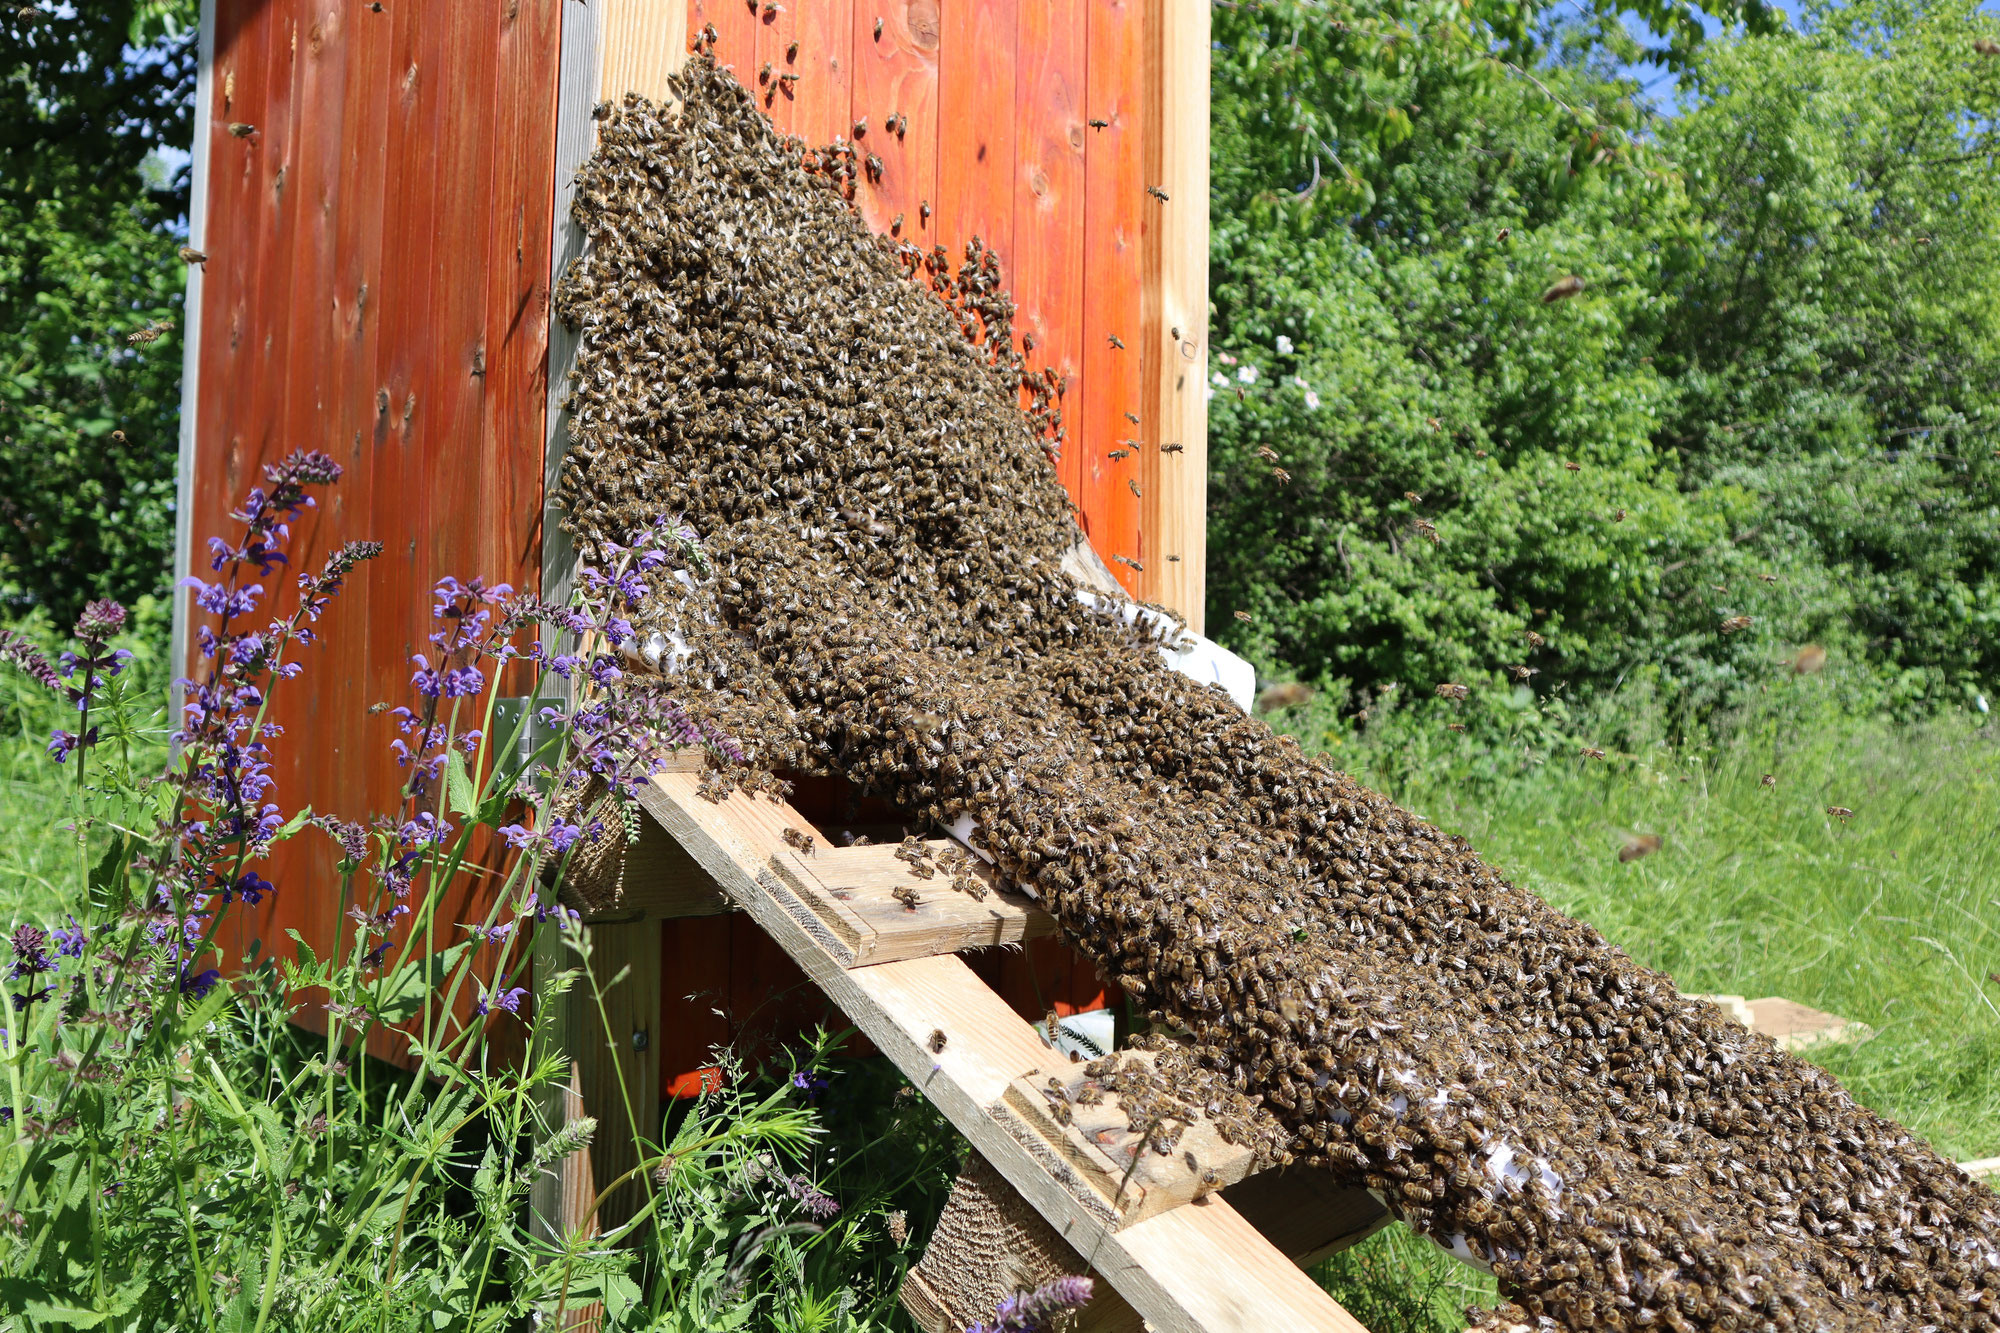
[(1427, 530), (1572, 467), (1244, 616), (1119, 343), (1127, 560), (1131, 418), (1590, 752), (1157, 193), (1840, 812), (1170, 448), (1133, 482), (1618, 517), (1534, 640), (1737, 624), (191, 255), (1768, 780), (1413, 497), (1639, 845), (1119, 454), (1522, 673), (1562, 289), (241, 130), (1285, 479)]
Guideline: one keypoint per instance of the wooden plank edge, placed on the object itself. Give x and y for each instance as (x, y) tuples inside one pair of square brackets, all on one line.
[(191, 314), (1190, 1270)]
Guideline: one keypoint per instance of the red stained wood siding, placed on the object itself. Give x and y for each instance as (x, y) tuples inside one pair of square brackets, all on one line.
[(377, 289)]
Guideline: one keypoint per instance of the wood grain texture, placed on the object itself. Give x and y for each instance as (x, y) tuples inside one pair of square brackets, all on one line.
[(735, 24), (977, 54), (895, 76), (852, 892), (1114, 260), (821, 104), (1193, 1268), (1175, 347), (1047, 273)]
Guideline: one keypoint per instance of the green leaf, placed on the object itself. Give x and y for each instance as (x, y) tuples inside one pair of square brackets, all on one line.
[(458, 786), (402, 993)]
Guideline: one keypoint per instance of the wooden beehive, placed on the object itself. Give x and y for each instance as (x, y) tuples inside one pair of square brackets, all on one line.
[(385, 235)]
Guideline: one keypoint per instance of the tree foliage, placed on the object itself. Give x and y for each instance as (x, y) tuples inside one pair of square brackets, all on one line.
[(88, 416), (1771, 397)]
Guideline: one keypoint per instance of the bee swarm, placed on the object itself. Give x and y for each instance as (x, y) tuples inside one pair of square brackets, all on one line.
[(837, 416)]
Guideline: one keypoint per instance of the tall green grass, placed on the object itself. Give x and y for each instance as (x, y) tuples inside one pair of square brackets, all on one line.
[(1890, 916)]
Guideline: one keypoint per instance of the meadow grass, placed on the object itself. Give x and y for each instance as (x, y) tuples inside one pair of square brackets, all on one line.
[(1890, 916)]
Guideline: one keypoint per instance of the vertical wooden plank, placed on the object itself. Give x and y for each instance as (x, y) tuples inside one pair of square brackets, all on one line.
[(1174, 512), (896, 76), (516, 342), (976, 76), (1109, 417), (194, 330), (735, 24), (825, 90), (1048, 202)]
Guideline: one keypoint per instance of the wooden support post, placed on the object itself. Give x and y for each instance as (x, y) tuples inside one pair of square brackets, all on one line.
[(1174, 364)]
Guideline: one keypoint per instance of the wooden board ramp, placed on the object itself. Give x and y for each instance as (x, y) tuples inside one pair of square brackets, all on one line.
[(1180, 1250)]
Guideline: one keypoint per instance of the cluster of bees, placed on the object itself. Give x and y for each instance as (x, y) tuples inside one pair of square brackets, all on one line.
[(884, 531)]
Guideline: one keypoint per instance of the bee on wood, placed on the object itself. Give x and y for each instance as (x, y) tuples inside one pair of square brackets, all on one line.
[(241, 130), (878, 30), (802, 841), (936, 1041), (908, 896), (873, 166), (1157, 193), (792, 53), (1562, 289), (1174, 559), (897, 124), (1737, 624), (1133, 482), (764, 74), (1119, 343), (924, 211), (1099, 124), (861, 128)]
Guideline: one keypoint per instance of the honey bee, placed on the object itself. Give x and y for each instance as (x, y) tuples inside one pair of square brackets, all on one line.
[(908, 896), (936, 1042), (1534, 640), (1737, 624), (1119, 343), (1522, 673), (861, 128), (1170, 448), (1562, 289), (873, 167), (1808, 660), (803, 842), (1413, 497), (1452, 690), (1243, 616), (191, 255), (1157, 193), (1131, 417), (878, 29), (1133, 482), (1427, 530), (1768, 780), (241, 130), (1099, 124), (1639, 845), (1590, 752), (791, 53), (1840, 812)]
